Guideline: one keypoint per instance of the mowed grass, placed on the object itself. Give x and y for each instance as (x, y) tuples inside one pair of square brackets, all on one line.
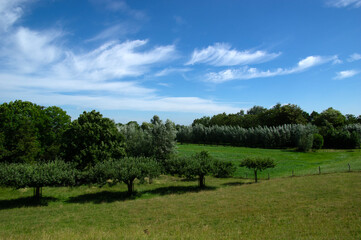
[(323, 206), (286, 159), (312, 207)]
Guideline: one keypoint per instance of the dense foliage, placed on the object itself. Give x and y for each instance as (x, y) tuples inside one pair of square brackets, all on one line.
[(92, 138), (257, 164), (336, 130), (30, 133), (278, 115), (263, 137), (155, 139)]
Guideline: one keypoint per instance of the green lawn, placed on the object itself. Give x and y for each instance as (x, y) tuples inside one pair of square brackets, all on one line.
[(313, 207), (287, 160), (323, 206)]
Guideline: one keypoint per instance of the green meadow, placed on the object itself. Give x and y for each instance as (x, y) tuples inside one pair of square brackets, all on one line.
[(287, 160), (325, 206)]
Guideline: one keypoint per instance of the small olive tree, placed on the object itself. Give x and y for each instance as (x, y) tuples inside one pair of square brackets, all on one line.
[(130, 168), (124, 170), (257, 164), (199, 165), (38, 175)]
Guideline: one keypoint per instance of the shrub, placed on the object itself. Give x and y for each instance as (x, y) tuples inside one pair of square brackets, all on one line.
[(317, 141), (305, 142), (222, 169)]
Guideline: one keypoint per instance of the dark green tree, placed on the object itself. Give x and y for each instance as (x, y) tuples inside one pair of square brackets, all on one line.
[(317, 141), (92, 138), (257, 164), (330, 117), (55, 121), (32, 132), (19, 123)]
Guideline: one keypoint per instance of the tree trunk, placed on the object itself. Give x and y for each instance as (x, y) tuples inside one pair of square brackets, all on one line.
[(255, 175), (38, 192), (130, 187), (202, 181)]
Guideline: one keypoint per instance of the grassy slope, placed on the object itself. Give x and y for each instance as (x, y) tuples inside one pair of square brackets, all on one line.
[(287, 160), (312, 207)]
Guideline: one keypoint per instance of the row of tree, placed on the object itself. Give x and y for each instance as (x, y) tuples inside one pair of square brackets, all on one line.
[(335, 130), (30, 133), (285, 136), (279, 115), (110, 171)]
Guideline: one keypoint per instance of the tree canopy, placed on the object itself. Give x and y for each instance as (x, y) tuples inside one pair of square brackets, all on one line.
[(92, 138), (30, 133)]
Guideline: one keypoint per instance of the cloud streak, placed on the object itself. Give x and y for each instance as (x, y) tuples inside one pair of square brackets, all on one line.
[(346, 74), (169, 71), (10, 12), (344, 3), (221, 54), (250, 73), (354, 57)]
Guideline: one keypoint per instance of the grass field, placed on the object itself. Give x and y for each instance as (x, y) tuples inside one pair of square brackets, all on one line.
[(287, 160), (323, 206), (313, 207)]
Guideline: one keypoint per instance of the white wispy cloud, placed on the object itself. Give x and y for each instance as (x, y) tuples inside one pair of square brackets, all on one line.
[(120, 5), (36, 66), (145, 103), (346, 74), (168, 71), (25, 50), (354, 57), (221, 54), (250, 73), (344, 3), (116, 60), (116, 31), (10, 12)]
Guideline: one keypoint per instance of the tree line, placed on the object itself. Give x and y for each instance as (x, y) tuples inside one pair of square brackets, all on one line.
[(41, 147), (330, 128)]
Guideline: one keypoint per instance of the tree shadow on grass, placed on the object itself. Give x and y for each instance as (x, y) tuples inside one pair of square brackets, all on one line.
[(177, 190), (25, 202), (238, 183), (102, 197), (108, 197)]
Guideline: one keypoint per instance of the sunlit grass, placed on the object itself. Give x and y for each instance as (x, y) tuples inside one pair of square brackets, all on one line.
[(312, 207), (323, 206), (286, 159)]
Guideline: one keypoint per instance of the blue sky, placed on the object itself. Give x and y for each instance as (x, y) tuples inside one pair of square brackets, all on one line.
[(181, 59)]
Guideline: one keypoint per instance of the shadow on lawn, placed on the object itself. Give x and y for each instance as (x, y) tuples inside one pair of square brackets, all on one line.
[(25, 202), (238, 183), (108, 197)]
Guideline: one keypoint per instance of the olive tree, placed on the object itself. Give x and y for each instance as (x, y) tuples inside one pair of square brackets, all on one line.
[(38, 175), (257, 164), (124, 170), (199, 165)]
